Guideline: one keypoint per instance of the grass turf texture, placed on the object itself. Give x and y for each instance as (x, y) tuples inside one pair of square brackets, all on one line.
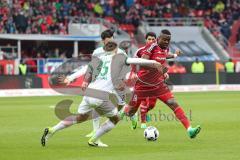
[(22, 121)]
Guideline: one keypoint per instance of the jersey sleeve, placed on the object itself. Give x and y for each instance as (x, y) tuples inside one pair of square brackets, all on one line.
[(137, 53), (120, 51), (148, 49), (94, 52), (98, 52), (78, 73)]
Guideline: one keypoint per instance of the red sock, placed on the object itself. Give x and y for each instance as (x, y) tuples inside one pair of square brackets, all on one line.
[(182, 117), (143, 110)]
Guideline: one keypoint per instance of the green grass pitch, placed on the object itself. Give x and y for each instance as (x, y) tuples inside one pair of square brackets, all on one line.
[(22, 121)]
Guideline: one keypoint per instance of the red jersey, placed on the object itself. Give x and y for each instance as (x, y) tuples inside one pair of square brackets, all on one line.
[(150, 79)]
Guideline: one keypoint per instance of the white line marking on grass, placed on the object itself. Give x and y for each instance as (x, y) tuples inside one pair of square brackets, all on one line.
[(51, 106)]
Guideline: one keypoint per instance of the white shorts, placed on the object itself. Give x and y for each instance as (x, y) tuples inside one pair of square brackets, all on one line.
[(104, 108)]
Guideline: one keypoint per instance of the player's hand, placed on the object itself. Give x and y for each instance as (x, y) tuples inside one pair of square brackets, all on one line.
[(121, 86), (84, 85), (178, 52), (62, 79), (158, 66), (166, 76)]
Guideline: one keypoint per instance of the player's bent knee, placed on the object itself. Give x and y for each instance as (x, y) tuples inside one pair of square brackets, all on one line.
[(171, 102), (82, 117)]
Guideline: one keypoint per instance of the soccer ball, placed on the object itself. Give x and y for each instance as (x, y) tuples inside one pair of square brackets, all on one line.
[(151, 133)]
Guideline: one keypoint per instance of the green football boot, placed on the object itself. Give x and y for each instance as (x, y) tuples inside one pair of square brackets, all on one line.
[(193, 132), (47, 133)]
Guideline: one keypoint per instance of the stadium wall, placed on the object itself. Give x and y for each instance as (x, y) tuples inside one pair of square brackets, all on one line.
[(41, 80), (204, 78)]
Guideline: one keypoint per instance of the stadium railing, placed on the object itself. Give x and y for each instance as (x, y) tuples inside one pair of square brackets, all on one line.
[(174, 21)]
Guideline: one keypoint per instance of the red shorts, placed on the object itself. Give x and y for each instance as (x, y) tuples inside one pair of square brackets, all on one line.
[(136, 100)]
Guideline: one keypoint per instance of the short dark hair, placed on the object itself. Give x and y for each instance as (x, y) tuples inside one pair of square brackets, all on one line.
[(152, 34), (107, 34), (165, 31)]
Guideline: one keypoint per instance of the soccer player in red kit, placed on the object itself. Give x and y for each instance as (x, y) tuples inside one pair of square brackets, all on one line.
[(150, 82), (149, 102)]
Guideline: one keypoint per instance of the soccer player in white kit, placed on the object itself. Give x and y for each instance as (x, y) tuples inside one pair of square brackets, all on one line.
[(106, 36), (99, 78)]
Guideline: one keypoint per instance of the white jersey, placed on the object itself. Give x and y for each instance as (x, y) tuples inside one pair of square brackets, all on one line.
[(82, 69), (103, 80), (120, 95)]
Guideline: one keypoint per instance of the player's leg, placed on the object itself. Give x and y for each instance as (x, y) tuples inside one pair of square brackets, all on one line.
[(170, 101), (113, 118), (122, 98), (96, 125), (130, 110), (95, 122), (103, 129), (85, 112), (145, 107), (143, 112), (67, 122)]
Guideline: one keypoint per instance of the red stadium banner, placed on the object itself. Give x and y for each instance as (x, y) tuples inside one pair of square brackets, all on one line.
[(7, 67)]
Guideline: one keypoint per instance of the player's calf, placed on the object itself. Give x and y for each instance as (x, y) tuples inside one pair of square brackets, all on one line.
[(104, 128)]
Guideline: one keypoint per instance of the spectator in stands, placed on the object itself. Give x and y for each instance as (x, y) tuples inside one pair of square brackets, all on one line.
[(52, 17), (10, 26), (238, 35), (229, 66), (31, 65), (225, 30), (237, 68), (21, 22), (176, 67), (1, 55), (219, 66), (57, 13), (22, 68), (197, 66), (1, 69), (219, 7), (56, 53)]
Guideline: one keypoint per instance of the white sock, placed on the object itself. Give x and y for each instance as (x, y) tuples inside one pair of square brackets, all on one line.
[(96, 124), (96, 120), (104, 128), (65, 123), (190, 127)]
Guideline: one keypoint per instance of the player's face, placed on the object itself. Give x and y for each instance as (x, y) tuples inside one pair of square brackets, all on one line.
[(106, 40), (150, 39), (164, 41)]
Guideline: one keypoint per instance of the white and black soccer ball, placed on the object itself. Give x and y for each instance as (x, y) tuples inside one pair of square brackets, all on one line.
[(151, 133)]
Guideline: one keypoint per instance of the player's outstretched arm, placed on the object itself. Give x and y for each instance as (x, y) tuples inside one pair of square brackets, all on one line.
[(77, 74), (145, 62)]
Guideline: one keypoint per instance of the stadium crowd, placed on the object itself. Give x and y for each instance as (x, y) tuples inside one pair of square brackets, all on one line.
[(52, 17)]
